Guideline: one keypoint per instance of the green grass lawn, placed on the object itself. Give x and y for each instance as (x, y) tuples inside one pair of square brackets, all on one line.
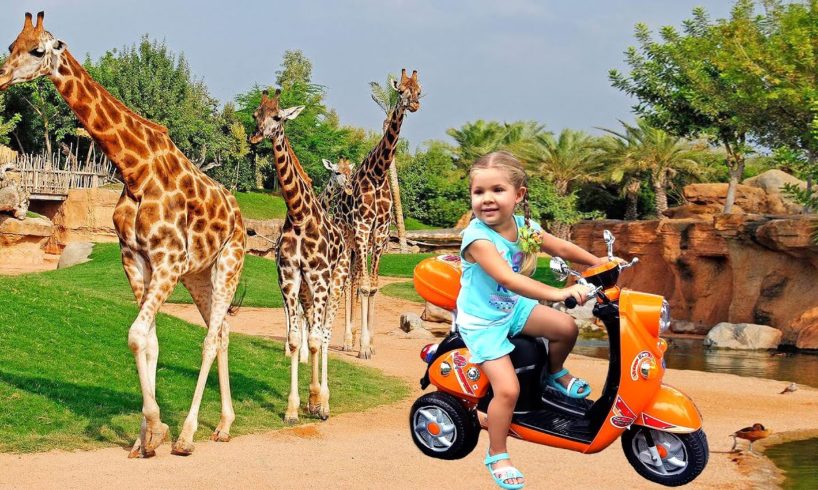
[(261, 205), (68, 379), (412, 224)]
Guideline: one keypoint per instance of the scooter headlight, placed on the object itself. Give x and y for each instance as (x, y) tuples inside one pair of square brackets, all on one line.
[(664, 316)]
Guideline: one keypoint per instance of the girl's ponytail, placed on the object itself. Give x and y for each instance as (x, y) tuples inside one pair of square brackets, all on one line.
[(529, 264)]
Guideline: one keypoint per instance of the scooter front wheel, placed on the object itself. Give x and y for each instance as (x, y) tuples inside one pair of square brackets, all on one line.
[(442, 427), (666, 458)]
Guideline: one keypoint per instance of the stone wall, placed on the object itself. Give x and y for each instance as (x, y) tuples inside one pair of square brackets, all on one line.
[(23, 241)]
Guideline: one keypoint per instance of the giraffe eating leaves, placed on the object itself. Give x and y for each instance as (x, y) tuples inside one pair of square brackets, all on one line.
[(173, 222)]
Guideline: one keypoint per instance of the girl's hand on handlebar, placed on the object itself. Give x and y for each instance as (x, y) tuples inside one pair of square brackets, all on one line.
[(577, 291)]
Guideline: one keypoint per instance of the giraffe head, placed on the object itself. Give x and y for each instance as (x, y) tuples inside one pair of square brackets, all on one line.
[(409, 90), (341, 174), (33, 54), (270, 118)]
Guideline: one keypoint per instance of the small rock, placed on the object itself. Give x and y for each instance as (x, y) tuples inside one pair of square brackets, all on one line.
[(433, 313), (410, 322), (744, 336), (75, 253)]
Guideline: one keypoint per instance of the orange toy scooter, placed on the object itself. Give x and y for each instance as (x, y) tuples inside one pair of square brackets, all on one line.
[(661, 428)]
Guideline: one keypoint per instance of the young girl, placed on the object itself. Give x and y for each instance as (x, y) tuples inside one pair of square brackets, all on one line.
[(498, 300)]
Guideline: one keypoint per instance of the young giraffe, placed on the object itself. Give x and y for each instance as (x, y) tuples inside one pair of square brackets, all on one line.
[(312, 258), (340, 181), (367, 211), (173, 222)]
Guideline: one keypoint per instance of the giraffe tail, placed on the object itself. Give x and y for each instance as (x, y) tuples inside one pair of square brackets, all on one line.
[(238, 299)]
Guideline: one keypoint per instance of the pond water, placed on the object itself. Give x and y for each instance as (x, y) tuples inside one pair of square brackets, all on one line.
[(799, 459), (691, 354)]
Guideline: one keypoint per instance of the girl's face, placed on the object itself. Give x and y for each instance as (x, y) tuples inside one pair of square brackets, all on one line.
[(493, 196)]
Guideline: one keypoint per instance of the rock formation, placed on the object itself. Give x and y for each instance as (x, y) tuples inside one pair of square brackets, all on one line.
[(745, 267)]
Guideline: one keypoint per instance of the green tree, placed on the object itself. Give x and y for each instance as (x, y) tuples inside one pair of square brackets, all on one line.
[(158, 85), (642, 150), (433, 187), (774, 59), (7, 122), (682, 88), (45, 118)]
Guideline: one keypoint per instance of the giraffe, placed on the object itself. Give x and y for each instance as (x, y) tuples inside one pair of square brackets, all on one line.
[(312, 258), (339, 181), (173, 222), (367, 212)]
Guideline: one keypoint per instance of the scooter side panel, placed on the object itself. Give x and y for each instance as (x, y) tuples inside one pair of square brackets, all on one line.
[(453, 373), (671, 411)]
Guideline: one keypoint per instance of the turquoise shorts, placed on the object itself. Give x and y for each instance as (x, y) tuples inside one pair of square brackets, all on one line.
[(488, 340)]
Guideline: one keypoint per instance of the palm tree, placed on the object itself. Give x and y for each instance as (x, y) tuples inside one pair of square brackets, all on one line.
[(621, 168), (653, 152), (568, 160), (387, 99), (475, 139)]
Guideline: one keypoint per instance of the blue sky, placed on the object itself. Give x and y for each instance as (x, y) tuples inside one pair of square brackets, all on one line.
[(506, 60)]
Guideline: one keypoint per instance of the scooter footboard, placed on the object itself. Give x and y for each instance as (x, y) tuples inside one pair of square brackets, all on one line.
[(671, 411)]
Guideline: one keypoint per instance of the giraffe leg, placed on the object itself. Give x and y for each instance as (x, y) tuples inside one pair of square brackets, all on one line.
[(304, 297), (290, 282), (348, 318), (363, 294), (319, 284), (381, 240), (141, 340), (339, 278), (138, 274), (218, 291)]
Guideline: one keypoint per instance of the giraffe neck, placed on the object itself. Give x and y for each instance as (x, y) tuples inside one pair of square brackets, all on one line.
[(378, 160), (296, 186), (126, 138)]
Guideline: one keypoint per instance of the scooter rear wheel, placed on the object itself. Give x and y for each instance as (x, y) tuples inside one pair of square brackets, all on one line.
[(682, 457), (442, 427)]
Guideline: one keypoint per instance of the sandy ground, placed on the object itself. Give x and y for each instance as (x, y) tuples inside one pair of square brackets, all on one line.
[(49, 263), (373, 449)]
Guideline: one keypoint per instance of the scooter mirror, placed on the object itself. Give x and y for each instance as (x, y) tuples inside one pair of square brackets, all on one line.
[(559, 268), (609, 240)]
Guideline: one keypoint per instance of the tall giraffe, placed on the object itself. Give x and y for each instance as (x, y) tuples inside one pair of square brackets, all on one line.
[(367, 211), (173, 222), (312, 258)]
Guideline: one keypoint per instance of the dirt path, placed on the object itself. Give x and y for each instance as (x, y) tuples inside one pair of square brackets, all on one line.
[(373, 449)]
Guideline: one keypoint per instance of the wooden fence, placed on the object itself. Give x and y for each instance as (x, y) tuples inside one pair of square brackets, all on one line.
[(51, 177)]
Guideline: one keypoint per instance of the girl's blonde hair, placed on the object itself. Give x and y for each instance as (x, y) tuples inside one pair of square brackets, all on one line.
[(508, 163)]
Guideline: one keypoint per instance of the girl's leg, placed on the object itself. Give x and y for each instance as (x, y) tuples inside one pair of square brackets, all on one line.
[(506, 389), (560, 330)]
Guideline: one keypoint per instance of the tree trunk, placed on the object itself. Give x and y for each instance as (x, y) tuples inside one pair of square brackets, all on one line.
[(659, 184), (632, 199), (561, 230), (736, 171), (397, 207), (19, 143), (735, 162)]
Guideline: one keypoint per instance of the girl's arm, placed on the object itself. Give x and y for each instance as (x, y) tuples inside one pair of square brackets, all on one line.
[(484, 253), (557, 247)]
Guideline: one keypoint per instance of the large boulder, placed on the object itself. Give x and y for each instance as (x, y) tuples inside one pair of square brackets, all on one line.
[(772, 183), (262, 236), (75, 253), (743, 336), (23, 241), (86, 215)]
